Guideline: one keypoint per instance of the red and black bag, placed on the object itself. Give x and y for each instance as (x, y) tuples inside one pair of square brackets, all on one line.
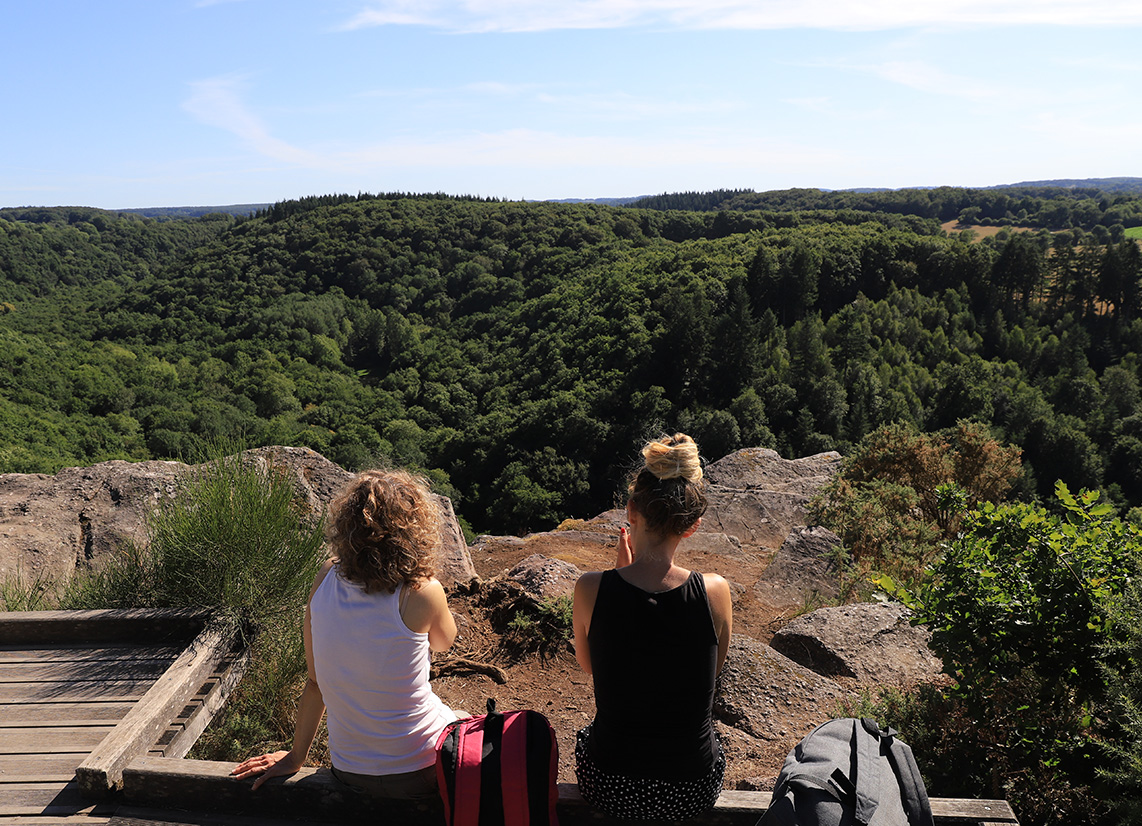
[(498, 769)]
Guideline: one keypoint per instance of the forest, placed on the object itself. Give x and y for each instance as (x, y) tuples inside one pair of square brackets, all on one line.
[(517, 352)]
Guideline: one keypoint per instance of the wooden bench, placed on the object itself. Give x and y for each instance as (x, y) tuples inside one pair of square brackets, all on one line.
[(152, 786)]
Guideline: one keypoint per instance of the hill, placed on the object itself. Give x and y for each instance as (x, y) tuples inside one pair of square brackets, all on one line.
[(519, 351)]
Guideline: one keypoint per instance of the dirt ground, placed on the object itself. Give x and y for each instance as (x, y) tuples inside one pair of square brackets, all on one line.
[(553, 683)]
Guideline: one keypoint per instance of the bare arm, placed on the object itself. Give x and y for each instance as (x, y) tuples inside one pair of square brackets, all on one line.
[(722, 609), (586, 590), (310, 708), (427, 611)]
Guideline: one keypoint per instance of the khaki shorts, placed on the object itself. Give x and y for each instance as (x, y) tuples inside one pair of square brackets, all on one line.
[(407, 785)]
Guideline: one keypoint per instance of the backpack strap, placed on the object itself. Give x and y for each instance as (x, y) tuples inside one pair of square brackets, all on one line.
[(514, 763), (912, 792), (469, 749), (866, 747)]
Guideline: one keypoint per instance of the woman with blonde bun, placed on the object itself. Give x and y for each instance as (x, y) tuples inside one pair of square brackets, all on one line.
[(653, 635), (369, 630)]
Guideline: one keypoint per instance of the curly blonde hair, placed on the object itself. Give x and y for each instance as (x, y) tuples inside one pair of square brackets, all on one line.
[(384, 530)]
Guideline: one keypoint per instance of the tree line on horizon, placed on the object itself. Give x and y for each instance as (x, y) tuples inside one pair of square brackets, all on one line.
[(519, 352)]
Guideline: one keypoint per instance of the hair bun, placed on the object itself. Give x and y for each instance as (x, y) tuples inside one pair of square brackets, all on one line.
[(670, 457)]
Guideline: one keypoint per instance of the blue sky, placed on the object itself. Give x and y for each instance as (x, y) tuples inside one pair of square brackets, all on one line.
[(137, 103)]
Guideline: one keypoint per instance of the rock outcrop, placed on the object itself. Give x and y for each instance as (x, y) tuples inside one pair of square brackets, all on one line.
[(543, 578), (757, 497), (51, 525), (805, 570), (872, 643), (760, 689)]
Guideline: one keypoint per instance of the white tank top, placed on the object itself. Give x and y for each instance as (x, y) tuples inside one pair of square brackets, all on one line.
[(382, 714)]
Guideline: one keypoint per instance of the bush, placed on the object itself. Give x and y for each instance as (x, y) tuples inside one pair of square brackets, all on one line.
[(232, 538), (1020, 612), (901, 492), (1123, 769), (541, 627)]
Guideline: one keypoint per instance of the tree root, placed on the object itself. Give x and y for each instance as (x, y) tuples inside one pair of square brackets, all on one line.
[(463, 665)]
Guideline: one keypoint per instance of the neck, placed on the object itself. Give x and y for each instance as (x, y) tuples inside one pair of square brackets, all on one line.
[(655, 551)]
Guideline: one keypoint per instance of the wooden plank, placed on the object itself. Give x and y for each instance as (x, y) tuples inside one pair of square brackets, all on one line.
[(138, 816), (109, 625), (94, 709), (61, 810), (102, 771), (60, 820), (162, 783), (65, 690), (50, 724), (11, 765), (84, 652), (35, 740), (133, 668), (85, 819), (32, 797)]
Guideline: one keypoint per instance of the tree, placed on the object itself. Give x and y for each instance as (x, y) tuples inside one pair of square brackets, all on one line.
[(900, 491)]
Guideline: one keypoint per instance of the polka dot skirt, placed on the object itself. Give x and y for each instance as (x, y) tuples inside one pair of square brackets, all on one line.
[(643, 798)]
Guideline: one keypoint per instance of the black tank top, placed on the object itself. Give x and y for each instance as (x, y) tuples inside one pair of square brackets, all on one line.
[(654, 658)]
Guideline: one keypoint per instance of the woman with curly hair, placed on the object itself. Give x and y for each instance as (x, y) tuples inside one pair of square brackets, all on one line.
[(370, 628), (653, 635)]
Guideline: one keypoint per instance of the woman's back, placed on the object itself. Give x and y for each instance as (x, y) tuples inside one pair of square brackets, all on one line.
[(654, 660), (383, 717)]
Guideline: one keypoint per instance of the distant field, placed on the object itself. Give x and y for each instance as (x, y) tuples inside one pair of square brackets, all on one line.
[(981, 232), (1134, 232)]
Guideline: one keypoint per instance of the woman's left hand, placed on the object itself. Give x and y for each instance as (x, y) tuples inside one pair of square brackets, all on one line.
[(275, 764), (625, 554)]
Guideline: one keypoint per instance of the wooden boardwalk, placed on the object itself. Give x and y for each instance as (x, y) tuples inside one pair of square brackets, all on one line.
[(74, 711), (57, 703)]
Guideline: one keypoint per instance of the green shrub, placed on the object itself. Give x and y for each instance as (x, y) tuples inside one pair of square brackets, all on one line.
[(22, 593), (1123, 768), (543, 627), (232, 538), (1020, 612)]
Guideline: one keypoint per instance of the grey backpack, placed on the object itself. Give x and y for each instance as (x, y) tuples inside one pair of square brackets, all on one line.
[(848, 772)]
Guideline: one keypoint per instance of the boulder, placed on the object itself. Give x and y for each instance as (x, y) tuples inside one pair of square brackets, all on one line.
[(761, 690), (51, 524), (805, 568), (453, 559), (543, 578), (763, 469), (873, 643)]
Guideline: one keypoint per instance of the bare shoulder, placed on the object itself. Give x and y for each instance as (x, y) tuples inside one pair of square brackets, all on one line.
[(588, 583), (718, 589), (716, 582), (427, 590), (317, 580)]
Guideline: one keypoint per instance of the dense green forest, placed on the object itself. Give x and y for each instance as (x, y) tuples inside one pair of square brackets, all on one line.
[(520, 351)]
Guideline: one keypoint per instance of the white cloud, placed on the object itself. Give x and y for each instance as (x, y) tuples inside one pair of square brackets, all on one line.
[(217, 102), (542, 150), (544, 15), (925, 77)]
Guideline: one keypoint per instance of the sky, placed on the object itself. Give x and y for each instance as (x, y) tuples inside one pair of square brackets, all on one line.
[(144, 103)]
